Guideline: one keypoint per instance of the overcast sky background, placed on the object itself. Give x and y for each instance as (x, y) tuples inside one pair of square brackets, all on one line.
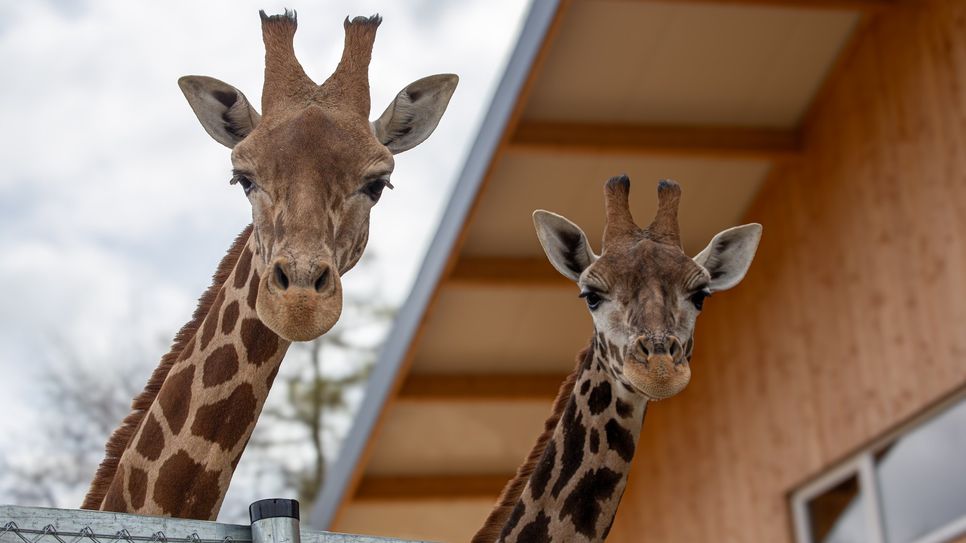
[(115, 205)]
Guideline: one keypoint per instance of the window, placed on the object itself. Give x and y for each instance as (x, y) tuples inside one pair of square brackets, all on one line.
[(909, 487)]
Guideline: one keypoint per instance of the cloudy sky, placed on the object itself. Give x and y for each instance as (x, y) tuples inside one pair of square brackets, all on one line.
[(115, 205)]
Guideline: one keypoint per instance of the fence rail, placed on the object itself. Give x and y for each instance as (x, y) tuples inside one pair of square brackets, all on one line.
[(42, 525)]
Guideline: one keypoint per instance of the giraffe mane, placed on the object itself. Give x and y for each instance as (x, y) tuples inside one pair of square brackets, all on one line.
[(121, 437), (497, 519)]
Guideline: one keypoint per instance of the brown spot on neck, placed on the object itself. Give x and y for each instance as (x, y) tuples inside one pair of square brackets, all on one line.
[(585, 504), (229, 318), (572, 454), (260, 342), (226, 422), (114, 500), (151, 442), (189, 349), (137, 486), (175, 397), (253, 290), (243, 268), (185, 489), (238, 456), (220, 366), (211, 321), (537, 531), (271, 377), (620, 440)]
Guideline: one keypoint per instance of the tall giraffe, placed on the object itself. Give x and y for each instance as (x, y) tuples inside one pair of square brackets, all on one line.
[(644, 295), (312, 167)]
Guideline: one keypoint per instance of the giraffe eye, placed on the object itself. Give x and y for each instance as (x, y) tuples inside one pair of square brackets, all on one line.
[(373, 189), (241, 179), (698, 298), (592, 298)]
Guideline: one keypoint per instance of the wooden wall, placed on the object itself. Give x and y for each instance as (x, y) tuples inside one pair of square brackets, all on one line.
[(853, 317)]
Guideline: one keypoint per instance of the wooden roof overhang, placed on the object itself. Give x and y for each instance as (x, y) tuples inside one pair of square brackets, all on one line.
[(709, 92)]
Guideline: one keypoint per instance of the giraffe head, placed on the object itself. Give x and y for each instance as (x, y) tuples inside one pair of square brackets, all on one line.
[(643, 292), (312, 166)]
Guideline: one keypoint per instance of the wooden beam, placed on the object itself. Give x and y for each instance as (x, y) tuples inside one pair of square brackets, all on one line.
[(506, 272), (845, 5), (430, 487), (625, 139), (485, 387)]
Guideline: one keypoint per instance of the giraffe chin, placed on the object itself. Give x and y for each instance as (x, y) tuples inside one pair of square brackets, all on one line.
[(659, 377), (299, 314)]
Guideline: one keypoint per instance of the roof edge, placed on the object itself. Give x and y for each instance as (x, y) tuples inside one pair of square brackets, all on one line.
[(393, 352)]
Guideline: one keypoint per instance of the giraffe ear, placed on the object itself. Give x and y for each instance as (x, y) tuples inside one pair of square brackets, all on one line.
[(415, 112), (729, 255), (564, 242), (223, 110)]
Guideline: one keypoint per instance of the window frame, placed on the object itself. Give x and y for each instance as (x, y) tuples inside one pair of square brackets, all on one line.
[(861, 465)]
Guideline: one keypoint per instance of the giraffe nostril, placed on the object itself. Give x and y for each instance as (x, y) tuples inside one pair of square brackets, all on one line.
[(644, 346), (322, 280), (675, 349), (280, 278)]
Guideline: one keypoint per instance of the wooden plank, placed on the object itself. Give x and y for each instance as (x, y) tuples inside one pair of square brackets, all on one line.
[(430, 487), (485, 387), (506, 272), (568, 138), (871, 6)]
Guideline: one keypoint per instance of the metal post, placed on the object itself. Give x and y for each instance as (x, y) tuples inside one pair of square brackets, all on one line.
[(275, 520)]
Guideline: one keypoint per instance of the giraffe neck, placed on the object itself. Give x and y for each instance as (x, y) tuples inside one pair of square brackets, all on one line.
[(181, 457), (575, 487)]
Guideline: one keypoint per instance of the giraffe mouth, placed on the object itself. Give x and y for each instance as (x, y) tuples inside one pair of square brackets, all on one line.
[(658, 376)]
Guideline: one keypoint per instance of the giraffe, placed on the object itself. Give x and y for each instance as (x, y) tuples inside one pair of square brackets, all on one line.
[(644, 295), (312, 166)]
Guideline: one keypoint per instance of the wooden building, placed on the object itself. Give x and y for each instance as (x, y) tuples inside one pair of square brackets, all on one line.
[(840, 125)]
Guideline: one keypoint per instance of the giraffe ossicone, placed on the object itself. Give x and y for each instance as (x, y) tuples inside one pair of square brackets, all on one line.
[(312, 165), (644, 295)]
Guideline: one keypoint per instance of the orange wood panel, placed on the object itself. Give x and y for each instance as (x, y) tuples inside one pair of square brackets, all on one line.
[(431, 487), (421, 387), (506, 272), (853, 317), (562, 138)]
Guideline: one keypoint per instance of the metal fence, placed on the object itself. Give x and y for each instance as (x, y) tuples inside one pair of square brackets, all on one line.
[(43, 525)]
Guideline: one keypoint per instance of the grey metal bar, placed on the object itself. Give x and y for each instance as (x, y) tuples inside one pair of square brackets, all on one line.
[(276, 530), (464, 193), (275, 520), (43, 525)]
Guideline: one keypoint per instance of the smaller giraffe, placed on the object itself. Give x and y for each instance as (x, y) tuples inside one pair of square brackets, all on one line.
[(644, 295)]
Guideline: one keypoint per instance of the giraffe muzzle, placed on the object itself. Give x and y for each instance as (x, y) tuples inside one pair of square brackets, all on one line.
[(658, 367), (299, 304)]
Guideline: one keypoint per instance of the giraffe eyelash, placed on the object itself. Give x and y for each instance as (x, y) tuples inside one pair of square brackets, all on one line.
[(244, 179)]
